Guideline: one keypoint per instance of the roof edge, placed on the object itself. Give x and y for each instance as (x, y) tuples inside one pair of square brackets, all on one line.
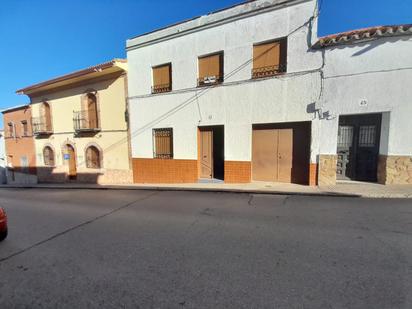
[(79, 73), (364, 34), (15, 108), (234, 12)]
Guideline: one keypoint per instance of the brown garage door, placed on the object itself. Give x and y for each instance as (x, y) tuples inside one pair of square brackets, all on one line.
[(272, 154)]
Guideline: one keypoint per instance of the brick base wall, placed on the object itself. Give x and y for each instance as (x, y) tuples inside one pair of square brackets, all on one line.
[(327, 170), (164, 171), (395, 170), (238, 171)]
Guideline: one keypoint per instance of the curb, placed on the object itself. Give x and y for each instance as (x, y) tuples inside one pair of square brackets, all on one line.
[(174, 189)]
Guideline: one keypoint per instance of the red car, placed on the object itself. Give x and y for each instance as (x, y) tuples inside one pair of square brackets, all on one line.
[(3, 224)]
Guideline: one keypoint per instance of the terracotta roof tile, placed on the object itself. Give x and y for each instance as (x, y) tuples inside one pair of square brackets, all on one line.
[(364, 34)]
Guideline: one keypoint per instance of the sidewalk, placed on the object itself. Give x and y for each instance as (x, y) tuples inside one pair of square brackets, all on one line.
[(343, 189)]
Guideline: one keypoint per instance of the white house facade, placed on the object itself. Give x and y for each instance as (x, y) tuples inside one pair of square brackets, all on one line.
[(250, 93), (227, 96), (367, 104)]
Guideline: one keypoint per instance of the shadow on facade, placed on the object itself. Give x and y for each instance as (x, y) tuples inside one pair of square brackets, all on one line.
[(23, 175)]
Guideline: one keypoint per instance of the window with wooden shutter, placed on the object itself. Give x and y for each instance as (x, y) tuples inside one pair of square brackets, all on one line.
[(48, 156), (25, 128), (162, 78), (11, 131), (92, 157), (269, 58), (46, 115), (163, 143), (210, 69)]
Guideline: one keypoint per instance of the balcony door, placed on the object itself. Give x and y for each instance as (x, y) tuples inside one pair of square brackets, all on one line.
[(92, 111), (46, 114)]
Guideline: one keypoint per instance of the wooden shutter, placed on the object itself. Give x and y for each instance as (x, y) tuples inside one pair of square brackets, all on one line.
[(163, 143), (48, 155), (11, 129), (88, 158), (266, 55), (46, 114), (92, 111), (51, 157), (210, 66), (161, 75), (92, 157)]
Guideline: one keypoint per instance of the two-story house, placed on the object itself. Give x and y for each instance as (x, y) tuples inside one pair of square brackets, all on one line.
[(20, 154), (227, 96), (80, 128)]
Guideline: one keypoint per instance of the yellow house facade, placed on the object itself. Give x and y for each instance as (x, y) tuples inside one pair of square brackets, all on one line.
[(80, 127)]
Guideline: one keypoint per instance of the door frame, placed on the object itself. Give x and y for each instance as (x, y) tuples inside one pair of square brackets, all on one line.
[(356, 121), (214, 129)]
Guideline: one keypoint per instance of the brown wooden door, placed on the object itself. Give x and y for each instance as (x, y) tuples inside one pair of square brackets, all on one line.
[(285, 155), (272, 158), (264, 155), (206, 154), (72, 161), (47, 117), (92, 112)]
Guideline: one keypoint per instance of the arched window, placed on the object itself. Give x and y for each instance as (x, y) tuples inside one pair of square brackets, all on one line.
[(46, 115), (93, 157), (91, 106), (48, 155)]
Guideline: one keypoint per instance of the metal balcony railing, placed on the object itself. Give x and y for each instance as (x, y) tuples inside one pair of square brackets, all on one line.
[(162, 88), (268, 71), (41, 126), (209, 80), (85, 121)]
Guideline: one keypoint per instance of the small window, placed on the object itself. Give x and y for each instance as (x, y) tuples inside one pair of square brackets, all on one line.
[(367, 136), (162, 78), (10, 130), (210, 69), (92, 157), (25, 128), (269, 58), (163, 143), (48, 156)]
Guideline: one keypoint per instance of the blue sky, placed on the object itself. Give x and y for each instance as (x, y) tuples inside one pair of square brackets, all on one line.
[(46, 38)]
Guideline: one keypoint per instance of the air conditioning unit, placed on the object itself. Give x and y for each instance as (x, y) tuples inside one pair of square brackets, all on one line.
[(209, 79)]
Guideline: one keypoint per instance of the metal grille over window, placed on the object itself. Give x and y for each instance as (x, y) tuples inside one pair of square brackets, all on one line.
[(345, 136), (92, 157), (367, 136), (163, 143), (269, 59), (210, 70), (162, 78), (48, 155)]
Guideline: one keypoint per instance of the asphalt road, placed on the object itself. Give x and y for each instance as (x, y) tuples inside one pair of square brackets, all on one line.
[(145, 249)]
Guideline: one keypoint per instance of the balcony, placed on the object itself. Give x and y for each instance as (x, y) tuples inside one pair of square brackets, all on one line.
[(86, 121), (268, 71), (162, 88), (41, 126), (209, 80)]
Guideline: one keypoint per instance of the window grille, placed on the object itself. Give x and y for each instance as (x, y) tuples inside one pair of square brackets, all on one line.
[(163, 143)]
